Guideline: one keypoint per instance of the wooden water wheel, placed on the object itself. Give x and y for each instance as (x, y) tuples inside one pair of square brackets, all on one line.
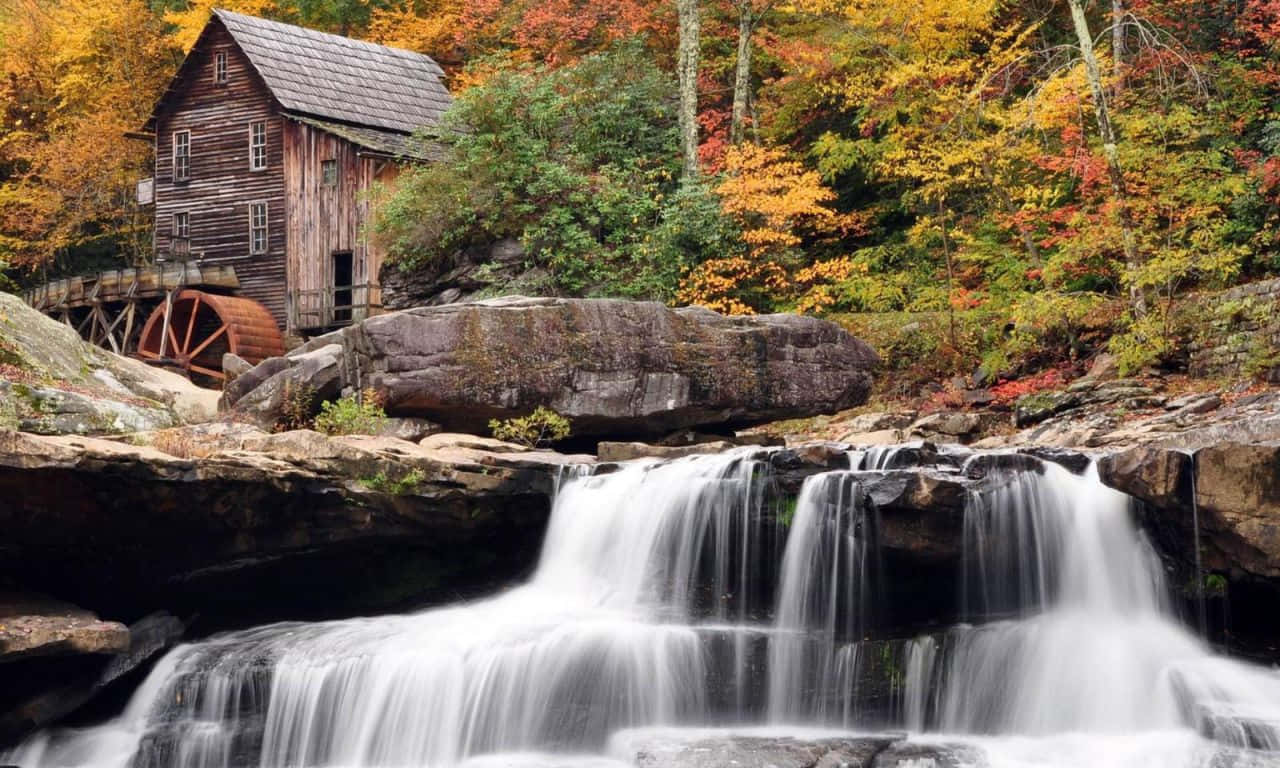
[(194, 329)]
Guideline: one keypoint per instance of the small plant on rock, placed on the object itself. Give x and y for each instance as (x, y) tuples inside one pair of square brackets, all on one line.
[(542, 427), (359, 413), (299, 401)]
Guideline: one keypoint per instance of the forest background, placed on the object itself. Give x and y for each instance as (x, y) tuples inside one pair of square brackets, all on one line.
[(978, 187)]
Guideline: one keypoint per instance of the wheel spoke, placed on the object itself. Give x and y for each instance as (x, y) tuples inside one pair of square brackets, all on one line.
[(148, 353), (191, 324), (221, 330), (173, 339), (207, 371)]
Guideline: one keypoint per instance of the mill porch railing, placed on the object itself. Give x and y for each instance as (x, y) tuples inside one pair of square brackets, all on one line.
[(324, 308)]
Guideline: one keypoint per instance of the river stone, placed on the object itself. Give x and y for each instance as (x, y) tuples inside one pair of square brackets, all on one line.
[(627, 369), (758, 752), (42, 691), (32, 625)]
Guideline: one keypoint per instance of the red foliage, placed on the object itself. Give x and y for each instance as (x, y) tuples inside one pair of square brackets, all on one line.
[(1008, 392)]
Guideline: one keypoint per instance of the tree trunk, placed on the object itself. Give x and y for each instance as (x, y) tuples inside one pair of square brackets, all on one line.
[(1094, 75), (687, 67), (742, 73), (1118, 51)]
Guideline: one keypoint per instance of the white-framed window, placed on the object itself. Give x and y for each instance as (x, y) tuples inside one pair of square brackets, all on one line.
[(181, 233), (257, 228), (329, 172), (220, 67), (258, 145), (181, 155)]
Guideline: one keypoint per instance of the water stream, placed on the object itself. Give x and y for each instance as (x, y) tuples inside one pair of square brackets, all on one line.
[(673, 596)]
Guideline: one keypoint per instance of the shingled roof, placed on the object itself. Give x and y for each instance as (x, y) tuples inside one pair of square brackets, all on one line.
[(338, 79)]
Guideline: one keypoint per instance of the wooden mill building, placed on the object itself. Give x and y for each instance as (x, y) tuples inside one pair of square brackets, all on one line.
[(271, 143)]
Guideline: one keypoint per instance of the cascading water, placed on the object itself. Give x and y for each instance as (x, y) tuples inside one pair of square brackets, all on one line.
[(665, 597)]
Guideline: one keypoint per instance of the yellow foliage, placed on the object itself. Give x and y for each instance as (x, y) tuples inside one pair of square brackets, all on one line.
[(774, 199), (426, 26), (733, 286), (191, 20), (81, 74)]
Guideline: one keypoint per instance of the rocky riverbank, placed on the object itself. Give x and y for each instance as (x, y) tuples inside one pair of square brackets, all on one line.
[(224, 523)]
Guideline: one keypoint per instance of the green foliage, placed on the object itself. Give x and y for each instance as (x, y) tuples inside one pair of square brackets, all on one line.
[(579, 164), (405, 485), (542, 427), (359, 413)]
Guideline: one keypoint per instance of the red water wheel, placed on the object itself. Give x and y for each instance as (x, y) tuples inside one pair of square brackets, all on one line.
[(195, 329)]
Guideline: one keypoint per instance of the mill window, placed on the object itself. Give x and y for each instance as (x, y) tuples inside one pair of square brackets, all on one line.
[(329, 172), (258, 145), (258, 228), (181, 234), (220, 67), (181, 155)]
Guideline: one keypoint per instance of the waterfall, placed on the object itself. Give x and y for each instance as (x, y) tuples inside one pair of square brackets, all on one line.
[(679, 595)]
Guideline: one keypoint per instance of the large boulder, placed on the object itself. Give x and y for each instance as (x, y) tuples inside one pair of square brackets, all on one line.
[(53, 382), (615, 368), (1232, 489)]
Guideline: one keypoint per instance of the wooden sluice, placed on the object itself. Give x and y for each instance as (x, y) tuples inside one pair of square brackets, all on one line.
[(109, 308)]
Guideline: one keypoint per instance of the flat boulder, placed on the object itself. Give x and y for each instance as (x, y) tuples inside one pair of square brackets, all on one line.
[(626, 369), (34, 626)]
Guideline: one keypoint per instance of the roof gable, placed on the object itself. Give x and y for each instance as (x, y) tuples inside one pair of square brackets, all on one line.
[(333, 77)]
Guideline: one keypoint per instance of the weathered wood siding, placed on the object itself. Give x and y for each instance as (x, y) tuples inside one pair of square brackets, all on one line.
[(322, 219), (221, 186)]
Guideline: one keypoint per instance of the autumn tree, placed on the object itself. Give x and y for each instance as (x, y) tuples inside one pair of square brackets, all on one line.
[(80, 75), (776, 203)]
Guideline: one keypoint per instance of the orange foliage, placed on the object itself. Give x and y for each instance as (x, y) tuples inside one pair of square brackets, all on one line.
[(774, 199), (734, 286)]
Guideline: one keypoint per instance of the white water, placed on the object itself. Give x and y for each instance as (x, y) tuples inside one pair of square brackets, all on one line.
[(653, 606)]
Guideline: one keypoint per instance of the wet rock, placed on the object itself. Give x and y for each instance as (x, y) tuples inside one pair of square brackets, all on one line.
[(984, 465), (39, 692), (1073, 460), (908, 754), (614, 368), (34, 625), (1236, 491), (758, 752), (921, 512)]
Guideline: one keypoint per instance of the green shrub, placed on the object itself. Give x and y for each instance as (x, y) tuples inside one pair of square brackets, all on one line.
[(541, 427), (407, 484), (360, 413), (580, 164)]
